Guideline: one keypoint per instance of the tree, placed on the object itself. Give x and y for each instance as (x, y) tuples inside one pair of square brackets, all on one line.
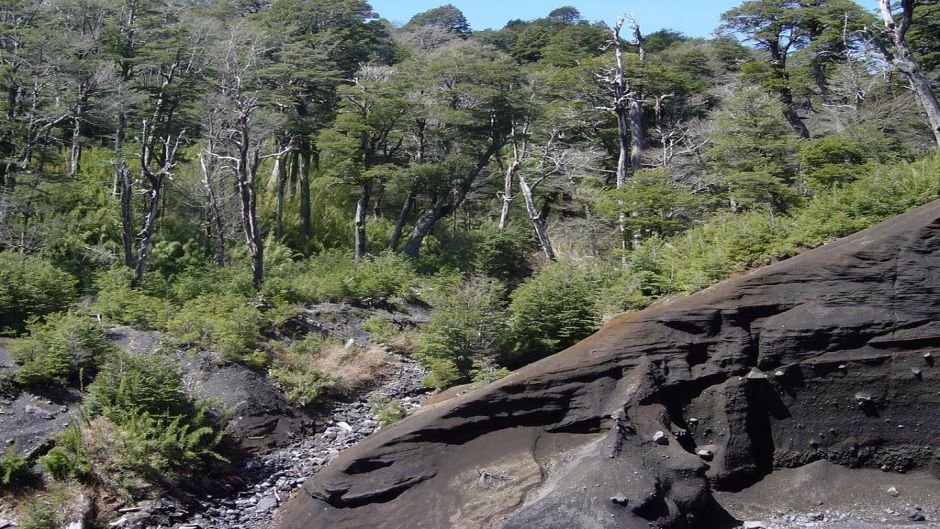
[(240, 57), (446, 17), (366, 138), (471, 104), (903, 59), (627, 101), (565, 14), (777, 27), (751, 150)]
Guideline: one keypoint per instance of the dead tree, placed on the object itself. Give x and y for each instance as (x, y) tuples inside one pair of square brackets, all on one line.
[(154, 193), (903, 59), (627, 106)]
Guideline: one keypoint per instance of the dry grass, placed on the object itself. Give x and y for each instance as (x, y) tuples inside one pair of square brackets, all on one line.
[(354, 366), (404, 342)]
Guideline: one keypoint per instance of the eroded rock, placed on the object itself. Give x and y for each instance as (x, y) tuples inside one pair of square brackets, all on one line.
[(848, 318)]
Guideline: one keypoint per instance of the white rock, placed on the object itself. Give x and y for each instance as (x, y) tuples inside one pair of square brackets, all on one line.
[(660, 438), (345, 425), (893, 491)]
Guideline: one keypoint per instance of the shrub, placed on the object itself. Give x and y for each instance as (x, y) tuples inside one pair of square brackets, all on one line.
[(143, 422), (332, 276), (442, 373), (31, 286), (13, 468), (388, 275), (60, 348), (297, 375), (485, 371), (554, 309), (67, 459), (468, 322), (130, 384), (157, 448), (226, 324), (380, 329), (386, 410), (117, 302)]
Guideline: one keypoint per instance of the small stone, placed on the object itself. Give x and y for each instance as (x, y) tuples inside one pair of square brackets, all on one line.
[(916, 515), (779, 373), (756, 374), (916, 371), (39, 413), (707, 455), (6, 523), (816, 517), (755, 525), (660, 438), (893, 491), (266, 504), (693, 420), (843, 367), (345, 426), (620, 499)]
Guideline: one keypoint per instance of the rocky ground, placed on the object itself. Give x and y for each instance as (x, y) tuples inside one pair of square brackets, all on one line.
[(821, 495), (252, 497)]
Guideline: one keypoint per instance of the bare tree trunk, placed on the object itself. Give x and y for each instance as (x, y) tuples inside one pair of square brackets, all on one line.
[(277, 176), (146, 231), (127, 223), (445, 206), (215, 212), (154, 194), (536, 217), (402, 218), (244, 182), (507, 194), (904, 60), (305, 189), (359, 222), (76, 150)]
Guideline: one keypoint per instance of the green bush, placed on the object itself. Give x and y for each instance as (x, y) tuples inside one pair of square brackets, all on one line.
[(386, 410), (13, 468), (60, 349), (148, 425), (129, 384), (442, 373), (485, 371), (554, 309), (119, 303), (30, 286), (380, 329), (226, 324), (467, 322), (297, 375), (67, 459), (158, 449), (388, 275)]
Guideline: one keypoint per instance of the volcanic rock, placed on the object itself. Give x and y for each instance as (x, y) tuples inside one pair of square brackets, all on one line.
[(552, 436)]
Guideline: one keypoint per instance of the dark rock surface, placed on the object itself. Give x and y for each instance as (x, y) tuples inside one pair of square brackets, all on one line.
[(804, 360), (261, 417), (30, 419)]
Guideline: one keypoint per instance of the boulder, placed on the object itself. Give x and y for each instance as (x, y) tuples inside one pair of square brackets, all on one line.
[(561, 437)]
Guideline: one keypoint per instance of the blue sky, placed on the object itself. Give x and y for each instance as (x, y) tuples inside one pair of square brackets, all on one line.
[(691, 17)]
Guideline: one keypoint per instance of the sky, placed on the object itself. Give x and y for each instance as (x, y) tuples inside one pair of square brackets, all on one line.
[(695, 18)]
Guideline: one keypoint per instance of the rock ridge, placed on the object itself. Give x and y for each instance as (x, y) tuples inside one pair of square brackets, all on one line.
[(825, 356)]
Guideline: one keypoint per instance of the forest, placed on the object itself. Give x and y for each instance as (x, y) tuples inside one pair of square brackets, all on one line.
[(206, 168)]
